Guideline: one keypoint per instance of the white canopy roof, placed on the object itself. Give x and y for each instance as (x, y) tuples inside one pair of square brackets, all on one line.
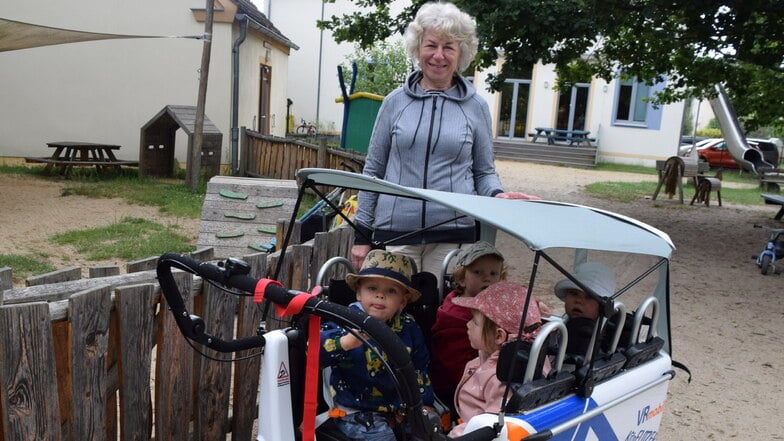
[(539, 224)]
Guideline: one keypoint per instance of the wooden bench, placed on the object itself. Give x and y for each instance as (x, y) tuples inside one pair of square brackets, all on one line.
[(78, 162), (771, 179)]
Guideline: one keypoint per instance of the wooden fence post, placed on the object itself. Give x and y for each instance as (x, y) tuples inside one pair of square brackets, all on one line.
[(174, 372), (89, 314), (136, 307), (6, 280), (246, 386), (95, 272), (28, 383), (62, 275)]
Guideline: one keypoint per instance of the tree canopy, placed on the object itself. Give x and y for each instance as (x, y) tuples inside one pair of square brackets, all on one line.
[(380, 68), (691, 45)]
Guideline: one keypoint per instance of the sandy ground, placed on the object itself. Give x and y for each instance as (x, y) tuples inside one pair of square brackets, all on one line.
[(726, 316)]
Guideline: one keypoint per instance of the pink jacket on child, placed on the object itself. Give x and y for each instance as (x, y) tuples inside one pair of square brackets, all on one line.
[(479, 390)]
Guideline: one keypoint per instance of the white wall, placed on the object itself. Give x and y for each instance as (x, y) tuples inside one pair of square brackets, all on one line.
[(312, 88), (105, 91)]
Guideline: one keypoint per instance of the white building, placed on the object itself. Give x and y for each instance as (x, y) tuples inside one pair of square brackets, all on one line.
[(105, 91)]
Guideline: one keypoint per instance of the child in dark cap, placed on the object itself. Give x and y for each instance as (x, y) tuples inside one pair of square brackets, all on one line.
[(476, 267)]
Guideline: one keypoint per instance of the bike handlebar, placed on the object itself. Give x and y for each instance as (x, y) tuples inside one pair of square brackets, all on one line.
[(233, 273)]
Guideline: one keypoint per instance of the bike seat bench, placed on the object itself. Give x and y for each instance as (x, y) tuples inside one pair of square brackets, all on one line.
[(775, 199)]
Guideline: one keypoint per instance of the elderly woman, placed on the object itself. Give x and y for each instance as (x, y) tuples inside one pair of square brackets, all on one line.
[(432, 132)]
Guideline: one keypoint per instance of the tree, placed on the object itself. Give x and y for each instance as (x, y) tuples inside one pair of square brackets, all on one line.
[(690, 44), (380, 68)]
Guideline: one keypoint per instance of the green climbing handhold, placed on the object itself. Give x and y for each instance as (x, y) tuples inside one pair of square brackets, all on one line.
[(268, 230), (243, 216), (269, 204), (232, 194), (228, 234)]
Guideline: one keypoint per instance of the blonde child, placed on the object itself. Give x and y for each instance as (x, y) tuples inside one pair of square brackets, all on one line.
[(363, 391), (495, 319), (476, 267)]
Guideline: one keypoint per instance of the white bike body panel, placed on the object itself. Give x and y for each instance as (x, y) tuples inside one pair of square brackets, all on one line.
[(630, 414), (275, 419)]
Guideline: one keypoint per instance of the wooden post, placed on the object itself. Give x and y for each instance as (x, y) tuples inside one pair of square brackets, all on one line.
[(62, 275), (103, 271), (29, 393), (194, 149), (6, 280), (322, 153)]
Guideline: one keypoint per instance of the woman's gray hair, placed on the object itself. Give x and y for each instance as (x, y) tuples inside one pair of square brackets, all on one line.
[(447, 20)]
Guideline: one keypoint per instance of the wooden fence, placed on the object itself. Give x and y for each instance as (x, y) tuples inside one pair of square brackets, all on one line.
[(102, 358), (279, 158)]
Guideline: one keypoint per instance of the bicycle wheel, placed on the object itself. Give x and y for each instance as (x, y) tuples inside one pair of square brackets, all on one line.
[(765, 264)]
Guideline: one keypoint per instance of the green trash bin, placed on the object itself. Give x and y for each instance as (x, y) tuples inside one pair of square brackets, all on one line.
[(358, 119)]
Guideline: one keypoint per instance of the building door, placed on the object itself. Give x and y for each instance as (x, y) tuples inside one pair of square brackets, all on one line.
[(514, 108), (264, 100), (573, 108)]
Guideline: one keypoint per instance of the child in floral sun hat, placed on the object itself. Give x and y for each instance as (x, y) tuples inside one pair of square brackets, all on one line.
[(362, 389)]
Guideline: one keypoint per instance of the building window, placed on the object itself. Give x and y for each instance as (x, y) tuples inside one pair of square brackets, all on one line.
[(631, 107)]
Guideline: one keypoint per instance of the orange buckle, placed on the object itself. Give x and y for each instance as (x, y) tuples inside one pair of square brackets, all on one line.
[(336, 413)]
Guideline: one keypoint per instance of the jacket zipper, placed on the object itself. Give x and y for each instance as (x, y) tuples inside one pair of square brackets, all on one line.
[(427, 158)]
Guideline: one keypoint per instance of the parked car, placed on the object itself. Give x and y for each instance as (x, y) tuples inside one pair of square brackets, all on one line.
[(770, 151), (684, 149), (716, 152), (688, 139)]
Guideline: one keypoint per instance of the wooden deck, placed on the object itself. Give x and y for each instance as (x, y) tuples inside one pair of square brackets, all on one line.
[(571, 155)]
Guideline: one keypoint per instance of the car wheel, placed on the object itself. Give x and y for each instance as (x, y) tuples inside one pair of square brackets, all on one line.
[(765, 264)]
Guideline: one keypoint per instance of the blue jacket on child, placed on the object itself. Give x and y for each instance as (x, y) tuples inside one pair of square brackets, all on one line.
[(359, 379)]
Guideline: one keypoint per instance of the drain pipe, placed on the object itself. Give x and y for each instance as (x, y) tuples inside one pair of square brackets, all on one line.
[(235, 92)]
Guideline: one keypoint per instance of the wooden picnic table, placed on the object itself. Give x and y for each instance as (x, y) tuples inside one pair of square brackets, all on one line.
[(552, 135), (68, 154)]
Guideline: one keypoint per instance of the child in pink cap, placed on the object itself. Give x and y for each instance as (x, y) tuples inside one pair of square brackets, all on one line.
[(495, 319)]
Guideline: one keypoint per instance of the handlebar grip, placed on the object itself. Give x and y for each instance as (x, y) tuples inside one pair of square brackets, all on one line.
[(238, 344)]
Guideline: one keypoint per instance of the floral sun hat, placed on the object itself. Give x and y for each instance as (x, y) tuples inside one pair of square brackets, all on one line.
[(387, 265)]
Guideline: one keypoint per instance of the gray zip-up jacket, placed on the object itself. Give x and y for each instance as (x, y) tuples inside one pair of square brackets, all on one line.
[(440, 140)]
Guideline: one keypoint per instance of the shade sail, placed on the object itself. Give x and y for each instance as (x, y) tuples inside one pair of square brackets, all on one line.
[(16, 35)]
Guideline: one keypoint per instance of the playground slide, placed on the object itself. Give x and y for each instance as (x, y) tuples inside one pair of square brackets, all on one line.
[(748, 158)]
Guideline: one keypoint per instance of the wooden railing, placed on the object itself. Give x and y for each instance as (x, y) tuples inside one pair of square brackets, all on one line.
[(279, 158), (101, 358)]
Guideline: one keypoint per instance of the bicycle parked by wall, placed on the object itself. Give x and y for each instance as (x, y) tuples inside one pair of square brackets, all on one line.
[(306, 128)]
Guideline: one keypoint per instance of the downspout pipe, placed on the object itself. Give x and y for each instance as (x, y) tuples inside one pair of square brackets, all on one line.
[(235, 92)]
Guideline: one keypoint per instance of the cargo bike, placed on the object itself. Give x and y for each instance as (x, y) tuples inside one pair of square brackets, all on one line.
[(615, 391)]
